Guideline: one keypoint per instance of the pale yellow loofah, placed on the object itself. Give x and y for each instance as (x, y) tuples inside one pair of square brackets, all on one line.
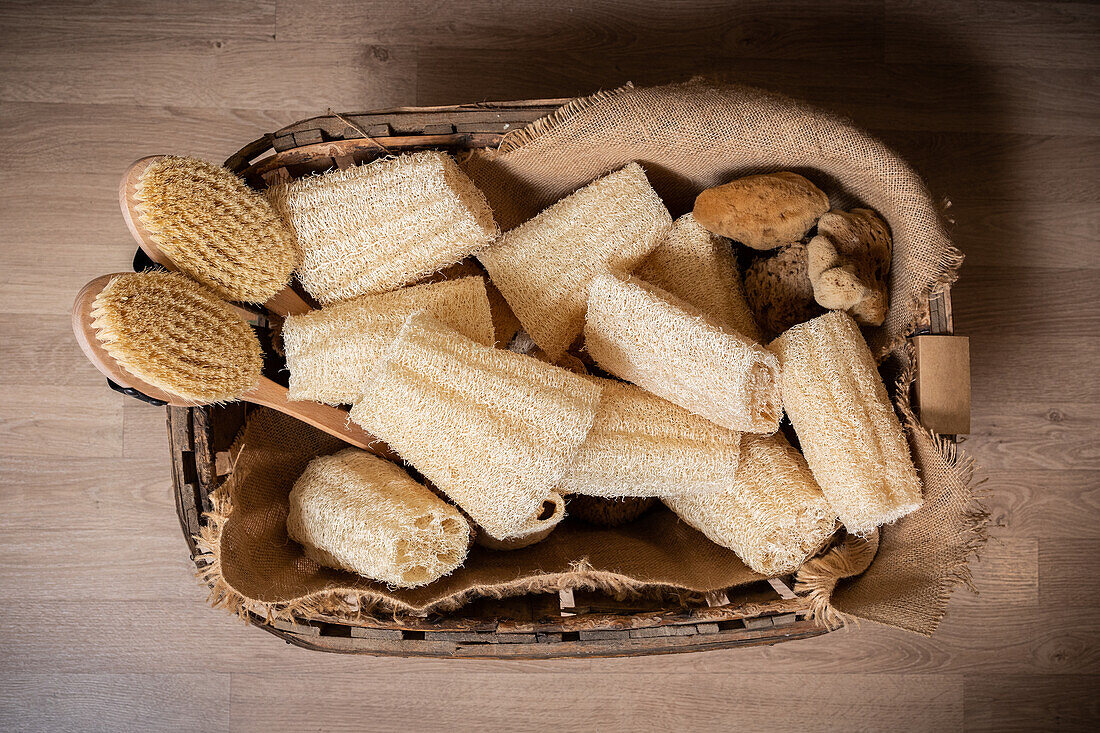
[(355, 511), (376, 227), (493, 429), (660, 343), (332, 352), (543, 267), (774, 515), (841, 411)]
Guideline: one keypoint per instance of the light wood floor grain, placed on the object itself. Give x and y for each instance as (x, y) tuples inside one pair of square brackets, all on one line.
[(103, 627)]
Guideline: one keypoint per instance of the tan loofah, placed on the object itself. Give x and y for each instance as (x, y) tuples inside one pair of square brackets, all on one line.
[(355, 511), (332, 352), (543, 267), (848, 262), (850, 435), (699, 268), (642, 445), (216, 229), (774, 515), (493, 429), (780, 292), (662, 344), (376, 227), (608, 512), (763, 212), (177, 335)]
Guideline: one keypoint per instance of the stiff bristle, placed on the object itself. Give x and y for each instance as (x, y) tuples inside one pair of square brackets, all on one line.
[(178, 336), (216, 229)]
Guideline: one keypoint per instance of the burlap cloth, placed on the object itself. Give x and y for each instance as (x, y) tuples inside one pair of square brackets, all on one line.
[(688, 137)]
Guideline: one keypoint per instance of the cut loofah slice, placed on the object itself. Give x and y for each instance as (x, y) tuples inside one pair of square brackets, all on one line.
[(492, 429), (655, 340), (543, 267), (355, 511), (216, 229), (332, 352), (642, 445), (698, 267), (608, 512), (177, 335), (841, 411), (376, 227), (773, 515)]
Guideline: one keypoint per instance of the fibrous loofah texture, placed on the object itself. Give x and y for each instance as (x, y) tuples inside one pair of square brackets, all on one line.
[(355, 511), (698, 267), (642, 445), (376, 227), (852, 439), (216, 229), (662, 344), (608, 512), (492, 429), (331, 353), (773, 515), (543, 267), (177, 335)]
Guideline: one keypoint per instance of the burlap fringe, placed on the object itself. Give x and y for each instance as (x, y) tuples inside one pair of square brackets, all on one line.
[(531, 132), (817, 578)]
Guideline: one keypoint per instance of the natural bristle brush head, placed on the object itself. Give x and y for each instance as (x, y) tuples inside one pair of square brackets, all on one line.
[(177, 335), (209, 225)]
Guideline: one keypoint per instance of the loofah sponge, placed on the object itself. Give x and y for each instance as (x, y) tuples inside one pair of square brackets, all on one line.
[(332, 352), (848, 262), (642, 445), (216, 229), (780, 291), (763, 212), (849, 433), (177, 335), (608, 512), (543, 267), (774, 516), (698, 267), (358, 512), (660, 343), (493, 429), (376, 227)]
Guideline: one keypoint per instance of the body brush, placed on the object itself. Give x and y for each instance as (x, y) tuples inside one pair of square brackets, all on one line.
[(176, 341)]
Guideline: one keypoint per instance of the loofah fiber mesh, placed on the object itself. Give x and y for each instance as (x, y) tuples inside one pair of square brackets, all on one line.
[(355, 511), (773, 515), (657, 341), (699, 268), (332, 352), (849, 432), (376, 227), (493, 429), (641, 445), (177, 335), (216, 229), (543, 267)]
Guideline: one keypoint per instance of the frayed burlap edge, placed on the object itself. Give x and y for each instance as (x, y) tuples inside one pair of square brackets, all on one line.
[(818, 577), (518, 138)]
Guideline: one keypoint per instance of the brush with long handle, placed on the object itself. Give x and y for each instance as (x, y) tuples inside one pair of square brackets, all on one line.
[(200, 219), (176, 341)]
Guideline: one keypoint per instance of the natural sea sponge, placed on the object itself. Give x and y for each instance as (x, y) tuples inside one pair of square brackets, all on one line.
[(543, 266), (764, 211), (779, 290), (850, 435), (699, 268), (355, 511), (848, 261), (660, 343)]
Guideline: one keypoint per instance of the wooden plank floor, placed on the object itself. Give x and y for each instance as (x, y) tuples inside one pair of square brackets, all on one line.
[(103, 627)]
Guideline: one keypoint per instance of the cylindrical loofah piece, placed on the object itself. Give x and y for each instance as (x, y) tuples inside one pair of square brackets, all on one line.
[(216, 229), (642, 445), (774, 515), (177, 335), (699, 268), (608, 512), (333, 351), (493, 429), (543, 267), (649, 337), (376, 227), (849, 433), (355, 511)]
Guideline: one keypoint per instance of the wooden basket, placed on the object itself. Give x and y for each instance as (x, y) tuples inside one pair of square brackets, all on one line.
[(569, 624)]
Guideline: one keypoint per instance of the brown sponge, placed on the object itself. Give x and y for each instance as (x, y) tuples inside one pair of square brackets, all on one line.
[(780, 292), (848, 262), (764, 211)]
